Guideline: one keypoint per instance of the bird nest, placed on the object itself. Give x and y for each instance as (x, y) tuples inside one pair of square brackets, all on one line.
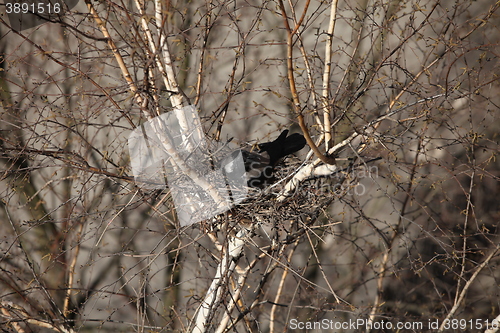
[(302, 207)]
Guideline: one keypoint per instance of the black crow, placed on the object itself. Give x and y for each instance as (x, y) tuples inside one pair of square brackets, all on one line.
[(260, 164)]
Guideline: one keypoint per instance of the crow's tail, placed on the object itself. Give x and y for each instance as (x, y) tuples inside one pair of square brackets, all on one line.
[(294, 143)]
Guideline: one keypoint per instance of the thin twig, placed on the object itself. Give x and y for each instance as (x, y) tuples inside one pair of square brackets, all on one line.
[(280, 288), (206, 33), (466, 288), (71, 270), (466, 223), (321, 268), (243, 275), (326, 75)]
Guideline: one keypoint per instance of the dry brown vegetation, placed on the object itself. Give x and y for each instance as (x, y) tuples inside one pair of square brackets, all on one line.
[(389, 215)]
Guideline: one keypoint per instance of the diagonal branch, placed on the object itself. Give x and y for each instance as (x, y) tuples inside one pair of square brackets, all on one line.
[(293, 89)]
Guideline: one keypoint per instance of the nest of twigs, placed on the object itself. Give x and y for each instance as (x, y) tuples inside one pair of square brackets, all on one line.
[(301, 209)]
